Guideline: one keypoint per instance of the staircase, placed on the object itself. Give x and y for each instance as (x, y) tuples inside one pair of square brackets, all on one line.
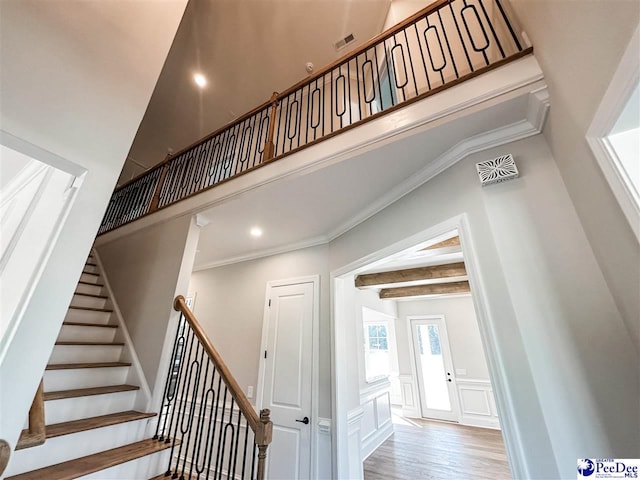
[(92, 398)]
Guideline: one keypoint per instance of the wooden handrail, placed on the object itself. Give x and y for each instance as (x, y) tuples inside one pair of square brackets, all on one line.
[(230, 155), (241, 399), (174, 155), (365, 46), (261, 425), (36, 433), (5, 454)]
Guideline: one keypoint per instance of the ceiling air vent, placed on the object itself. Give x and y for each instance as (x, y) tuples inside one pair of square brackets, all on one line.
[(497, 170), (343, 42)]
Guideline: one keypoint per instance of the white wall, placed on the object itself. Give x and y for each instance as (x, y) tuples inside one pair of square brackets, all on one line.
[(374, 397), (579, 53), (146, 271), (230, 306), (76, 80), (561, 344), (462, 328)]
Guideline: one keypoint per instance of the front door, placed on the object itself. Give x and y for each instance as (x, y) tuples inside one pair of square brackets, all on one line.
[(436, 382), (287, 378)]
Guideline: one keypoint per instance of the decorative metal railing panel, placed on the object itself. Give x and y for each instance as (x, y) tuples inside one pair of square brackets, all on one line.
[(448, 42), (212, 428)]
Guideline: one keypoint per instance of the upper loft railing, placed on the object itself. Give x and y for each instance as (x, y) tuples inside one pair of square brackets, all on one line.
[(444, 44)]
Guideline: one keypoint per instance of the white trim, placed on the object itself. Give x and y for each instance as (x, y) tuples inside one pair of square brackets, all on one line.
[(512, 437), (25, 176), (473, 381), (520, 74), (413, 410), (315, 345), (494, 138), (48, 158), (538, 107), (267, 252), (623, 82), (124, 331), (444, 341), (324, 426), (354, 417), (39, 154), (505, 405)]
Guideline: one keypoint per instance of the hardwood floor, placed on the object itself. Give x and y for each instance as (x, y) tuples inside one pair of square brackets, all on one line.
[(424, 449)]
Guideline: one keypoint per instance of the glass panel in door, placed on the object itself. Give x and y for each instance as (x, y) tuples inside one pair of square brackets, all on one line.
[(434, 375), (434, 369)]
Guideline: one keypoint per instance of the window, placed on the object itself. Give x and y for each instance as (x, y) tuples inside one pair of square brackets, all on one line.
[(380, 355), (614, 135)]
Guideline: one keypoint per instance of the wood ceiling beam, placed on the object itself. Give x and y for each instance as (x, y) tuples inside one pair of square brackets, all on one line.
[(422, 290), (411, 275), (449, 242)]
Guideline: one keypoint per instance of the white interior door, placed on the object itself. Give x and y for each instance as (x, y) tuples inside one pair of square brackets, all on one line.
[(434, 368), (287, 378)]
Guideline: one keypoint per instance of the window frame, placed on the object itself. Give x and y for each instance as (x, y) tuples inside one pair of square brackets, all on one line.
[(623, 83), (388, 321)]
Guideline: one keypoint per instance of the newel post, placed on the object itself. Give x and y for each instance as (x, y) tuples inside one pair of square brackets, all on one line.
[(156, 195), (263, 439), (269, 146)]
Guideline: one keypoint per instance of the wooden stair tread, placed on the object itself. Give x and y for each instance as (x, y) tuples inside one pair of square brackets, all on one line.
[(71, 366), (94, 463), (104, 344), (91, 295), (74, 426), (87, 392), (91, 273), (92, 309), (86, 324), (90, 264), (92, 284)]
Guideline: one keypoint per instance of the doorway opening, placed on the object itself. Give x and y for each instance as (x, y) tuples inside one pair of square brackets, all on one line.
[(423, 382)]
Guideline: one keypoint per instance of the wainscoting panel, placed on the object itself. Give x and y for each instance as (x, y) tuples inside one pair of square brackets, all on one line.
[(410, 401), (354, 421), (376, 420), (477, 404)]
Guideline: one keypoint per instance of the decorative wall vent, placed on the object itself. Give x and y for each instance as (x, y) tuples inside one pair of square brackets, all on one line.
[(343, 42), (497, 170)]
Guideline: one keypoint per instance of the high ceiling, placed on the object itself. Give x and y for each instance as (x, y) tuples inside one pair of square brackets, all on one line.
[(246, 49)]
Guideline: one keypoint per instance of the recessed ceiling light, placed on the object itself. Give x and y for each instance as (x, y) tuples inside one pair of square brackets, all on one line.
[(256, 232), (200, 80)]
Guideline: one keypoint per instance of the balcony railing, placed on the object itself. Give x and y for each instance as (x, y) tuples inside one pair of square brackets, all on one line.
[(444, 44)]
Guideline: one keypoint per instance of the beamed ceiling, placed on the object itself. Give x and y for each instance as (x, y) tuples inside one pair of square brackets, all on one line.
[(421, 271)]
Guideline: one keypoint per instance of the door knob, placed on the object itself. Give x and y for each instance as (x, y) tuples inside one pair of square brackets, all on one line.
[(305, 420)]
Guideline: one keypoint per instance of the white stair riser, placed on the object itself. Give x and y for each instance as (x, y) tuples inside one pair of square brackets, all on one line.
[(68, 447), (140, 469), (55, 380), (91, 302), (91, 268), (91, 289), (67, 409), (81, 333), (88, 278), (85, 353), (87, 316)]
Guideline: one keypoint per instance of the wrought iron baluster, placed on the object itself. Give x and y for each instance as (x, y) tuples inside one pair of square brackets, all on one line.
[(447, 32)]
